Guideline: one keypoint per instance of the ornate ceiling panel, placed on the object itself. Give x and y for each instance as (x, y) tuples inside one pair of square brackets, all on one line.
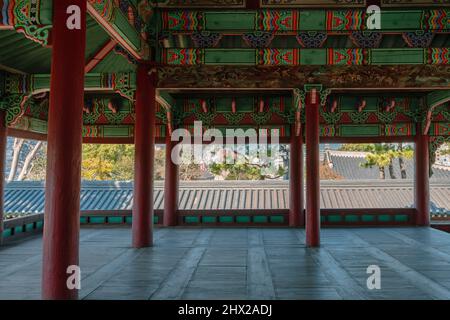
[(312, 3), (291, 3), (293, 20), (201, 3), (388, 77), (414, 3)]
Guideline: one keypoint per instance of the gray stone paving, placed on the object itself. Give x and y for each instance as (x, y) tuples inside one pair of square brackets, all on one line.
[(240, 263)]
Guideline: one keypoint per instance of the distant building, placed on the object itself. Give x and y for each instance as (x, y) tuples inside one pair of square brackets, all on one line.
[(348, 165), (441, 158)]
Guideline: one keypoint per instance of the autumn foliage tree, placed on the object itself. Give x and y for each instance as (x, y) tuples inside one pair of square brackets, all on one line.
[(116, 162), (446, 148), (327, 173), (107, 162)]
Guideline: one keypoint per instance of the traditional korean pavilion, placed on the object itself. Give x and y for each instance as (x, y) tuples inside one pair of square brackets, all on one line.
[(133, 71)]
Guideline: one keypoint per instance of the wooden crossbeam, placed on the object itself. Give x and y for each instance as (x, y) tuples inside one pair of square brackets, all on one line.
[(100, 55), (334, 106), (411, 77), (10, 70), (391, 105), (362, 105), (204, 106), (261, 105), (298, 123), (433, 100), (305, 57), (115, 35), (169, 122), (428, 119)]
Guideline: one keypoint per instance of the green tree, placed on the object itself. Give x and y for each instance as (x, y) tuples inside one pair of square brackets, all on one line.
[(445, 148), (402, 154), (379, 157), (96, 169), (382, 155), (239, 166), (243, 171), (160, 160), (116, 162), (358, 147)]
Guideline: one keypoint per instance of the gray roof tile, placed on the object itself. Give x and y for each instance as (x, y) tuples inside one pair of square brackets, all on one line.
[(348, 166), (28, 197)]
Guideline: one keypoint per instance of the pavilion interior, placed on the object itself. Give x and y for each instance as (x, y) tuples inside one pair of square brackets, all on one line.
[(312, 70)]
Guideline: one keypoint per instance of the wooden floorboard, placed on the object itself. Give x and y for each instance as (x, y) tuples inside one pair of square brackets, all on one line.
[(259, 278), (241, 263)]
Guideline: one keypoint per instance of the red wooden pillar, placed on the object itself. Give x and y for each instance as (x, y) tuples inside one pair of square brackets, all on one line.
[(296, 216), (422, 183), (62, 192), (170, 186), (144, 141), (312, 171), (3, 140)]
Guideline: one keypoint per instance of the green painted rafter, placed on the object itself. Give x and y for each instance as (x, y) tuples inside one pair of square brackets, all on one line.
[(119, 26), (99, 55), (437, 98), (122, 83), (33, 18), (433, 101)]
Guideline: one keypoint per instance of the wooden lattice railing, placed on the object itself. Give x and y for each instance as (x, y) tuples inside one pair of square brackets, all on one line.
[(33, 223)]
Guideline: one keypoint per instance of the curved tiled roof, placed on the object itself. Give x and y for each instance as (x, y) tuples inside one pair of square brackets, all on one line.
[(347, 165), (28, 197)]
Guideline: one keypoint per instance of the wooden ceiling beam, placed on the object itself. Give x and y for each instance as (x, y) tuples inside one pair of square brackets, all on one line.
[(252, 4), (115, 35), (305, 57), (100, 55), (414, 78), (434, 100), (362, 105), (10, 70)]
